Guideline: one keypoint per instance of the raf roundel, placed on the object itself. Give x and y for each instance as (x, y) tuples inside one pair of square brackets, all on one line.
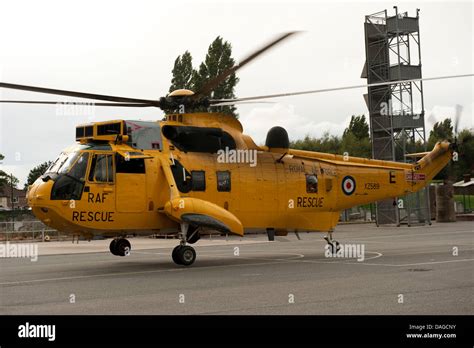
[(348, 185)]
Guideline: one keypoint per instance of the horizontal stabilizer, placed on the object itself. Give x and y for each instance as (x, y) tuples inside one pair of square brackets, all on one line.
[(417, 154)]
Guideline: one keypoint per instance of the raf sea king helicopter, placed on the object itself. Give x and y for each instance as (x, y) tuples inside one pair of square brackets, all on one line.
[(125, 177)]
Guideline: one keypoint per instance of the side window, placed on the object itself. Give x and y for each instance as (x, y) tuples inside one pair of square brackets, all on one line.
[(311, 183), (130, 165), (223, 181), (198, 180), (101, 168)]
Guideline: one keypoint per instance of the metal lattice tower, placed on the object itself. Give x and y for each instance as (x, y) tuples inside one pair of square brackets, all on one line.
[(396, 111)]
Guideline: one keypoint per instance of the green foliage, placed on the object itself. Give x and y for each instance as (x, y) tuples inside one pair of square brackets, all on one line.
[(441, 131), (182, 72), (358, 127), (465, 164), (36, 172), (328, 143), (218, 59), (467, 200), (356, 147), (355, 140), (7, 179)]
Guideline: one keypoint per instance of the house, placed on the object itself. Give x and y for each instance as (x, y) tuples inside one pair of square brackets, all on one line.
[(464, 187), (19, 198)]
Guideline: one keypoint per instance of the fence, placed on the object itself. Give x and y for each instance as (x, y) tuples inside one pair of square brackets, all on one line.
[(360, 213), (28, 230)]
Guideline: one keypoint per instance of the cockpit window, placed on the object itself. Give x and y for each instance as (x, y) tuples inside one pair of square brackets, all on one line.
[(54, 167), (70, 181), (79, 168), (67, 164), (64, 162)]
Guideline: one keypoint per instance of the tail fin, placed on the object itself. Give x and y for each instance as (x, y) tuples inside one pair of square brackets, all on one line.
[(435, 160)]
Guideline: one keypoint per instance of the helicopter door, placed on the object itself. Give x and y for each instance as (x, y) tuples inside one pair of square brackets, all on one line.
[(99, 189), (130, 182)]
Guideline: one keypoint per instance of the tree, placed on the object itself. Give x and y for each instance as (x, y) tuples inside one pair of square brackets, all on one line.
[(218, 59), (182, 72), (36, 172), (7, 179), (3, 175), (356, 147), (358, 126), (328, 143), (441, 131), (356, 139), (465, 164)]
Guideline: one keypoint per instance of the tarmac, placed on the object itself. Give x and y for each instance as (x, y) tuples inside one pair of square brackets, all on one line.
[(403, 270)]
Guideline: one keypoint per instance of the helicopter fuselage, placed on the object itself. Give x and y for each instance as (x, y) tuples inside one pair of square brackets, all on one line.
[(108, 185)]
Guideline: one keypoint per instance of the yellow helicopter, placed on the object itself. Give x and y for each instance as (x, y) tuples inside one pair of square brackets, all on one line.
[(196, 171)]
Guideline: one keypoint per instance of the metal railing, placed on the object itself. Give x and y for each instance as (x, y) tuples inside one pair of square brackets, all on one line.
[(27, 231)]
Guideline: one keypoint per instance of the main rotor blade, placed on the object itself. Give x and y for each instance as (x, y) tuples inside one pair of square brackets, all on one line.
[(132, 105), (213, 83), (77, 94), (243, 102), (218, 101)]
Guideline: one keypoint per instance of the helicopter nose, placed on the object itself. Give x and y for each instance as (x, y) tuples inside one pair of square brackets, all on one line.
[(38, 193)]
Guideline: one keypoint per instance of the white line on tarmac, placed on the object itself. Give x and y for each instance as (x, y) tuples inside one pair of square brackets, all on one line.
[(298, 258), (418, 263), (139, 272)]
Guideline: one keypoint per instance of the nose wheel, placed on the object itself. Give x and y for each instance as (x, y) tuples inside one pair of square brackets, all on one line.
[(120, 247), (184, 254)]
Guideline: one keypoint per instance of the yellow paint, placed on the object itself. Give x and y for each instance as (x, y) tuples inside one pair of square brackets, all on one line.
[(272, 194), (181, 93)]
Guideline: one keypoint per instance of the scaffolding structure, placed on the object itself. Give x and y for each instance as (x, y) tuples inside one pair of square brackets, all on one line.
[(396, 111)]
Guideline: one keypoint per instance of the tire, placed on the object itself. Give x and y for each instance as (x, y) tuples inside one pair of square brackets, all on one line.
[(175, 256), (186, 255), (123, 247), (113, 247)]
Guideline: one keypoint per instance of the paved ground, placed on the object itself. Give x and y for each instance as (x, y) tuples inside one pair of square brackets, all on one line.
[(416, 263)]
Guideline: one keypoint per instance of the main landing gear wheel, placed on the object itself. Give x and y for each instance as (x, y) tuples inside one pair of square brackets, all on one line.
[(120, 247), (174, 255), (113, 246), (184, 255)]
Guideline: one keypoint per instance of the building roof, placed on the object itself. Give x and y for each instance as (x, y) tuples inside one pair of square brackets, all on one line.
[(462, 183)]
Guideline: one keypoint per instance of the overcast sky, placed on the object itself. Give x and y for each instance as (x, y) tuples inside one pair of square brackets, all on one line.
[(127, 48)]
